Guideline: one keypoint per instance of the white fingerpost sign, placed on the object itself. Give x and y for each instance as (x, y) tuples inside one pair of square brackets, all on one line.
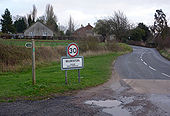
[(72, 60), (28, 45)]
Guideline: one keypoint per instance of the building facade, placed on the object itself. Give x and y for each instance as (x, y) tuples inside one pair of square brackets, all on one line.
[(84, 31)]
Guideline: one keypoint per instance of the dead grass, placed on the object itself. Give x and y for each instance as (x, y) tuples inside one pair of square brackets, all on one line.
[(94, 53), (13, 58), (16, 58)]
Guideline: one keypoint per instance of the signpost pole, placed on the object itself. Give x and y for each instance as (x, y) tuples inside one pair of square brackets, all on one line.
[(79, 75), (66, 77), (72, 61), (33, 62)]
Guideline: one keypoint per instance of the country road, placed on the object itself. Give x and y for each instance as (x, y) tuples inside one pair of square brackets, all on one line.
[(139, 86), (143, 63)]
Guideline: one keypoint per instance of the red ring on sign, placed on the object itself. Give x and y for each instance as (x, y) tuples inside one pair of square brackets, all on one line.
[(69, 52)]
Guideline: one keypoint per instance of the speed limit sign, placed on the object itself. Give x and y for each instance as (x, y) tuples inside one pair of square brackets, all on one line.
[(72, 50)]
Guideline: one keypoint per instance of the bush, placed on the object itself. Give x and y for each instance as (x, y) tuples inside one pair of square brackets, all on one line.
[(88, 44), (163, 43), (13, 56), (112, 45)]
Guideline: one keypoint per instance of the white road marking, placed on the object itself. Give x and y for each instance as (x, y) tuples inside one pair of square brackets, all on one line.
[(141, 55), (165, 74), (145, 63), (152, 68)]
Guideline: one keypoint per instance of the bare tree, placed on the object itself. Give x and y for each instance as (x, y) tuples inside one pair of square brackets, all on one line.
[(34, 13), (119, 25), (50, 17), (71, 26), (41, 19), (160, 26), (160, 29), (32, 16)]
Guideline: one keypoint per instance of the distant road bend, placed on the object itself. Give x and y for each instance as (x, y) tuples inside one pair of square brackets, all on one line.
[(143, 63)]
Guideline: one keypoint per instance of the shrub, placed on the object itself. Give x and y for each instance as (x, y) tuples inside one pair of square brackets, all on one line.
[(88, 44), (112, 45), (16, 56)]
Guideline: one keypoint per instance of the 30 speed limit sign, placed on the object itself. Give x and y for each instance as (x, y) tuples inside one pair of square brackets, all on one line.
[(72, 50)]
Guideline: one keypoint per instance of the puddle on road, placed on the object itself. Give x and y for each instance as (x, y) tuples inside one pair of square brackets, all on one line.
[(117, 111), (112, 107), (107, 103)]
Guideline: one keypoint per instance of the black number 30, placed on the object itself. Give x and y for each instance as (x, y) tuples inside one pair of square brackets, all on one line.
[(74, 50)]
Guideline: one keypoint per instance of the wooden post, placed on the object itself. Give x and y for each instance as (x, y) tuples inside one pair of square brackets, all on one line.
[(79, 75), (33, 63), (66, 77)]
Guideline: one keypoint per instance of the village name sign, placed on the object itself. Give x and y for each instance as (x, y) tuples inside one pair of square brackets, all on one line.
[(72, 60)]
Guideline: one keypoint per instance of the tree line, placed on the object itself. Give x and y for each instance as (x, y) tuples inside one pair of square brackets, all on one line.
[(119, 26), (23, 22)]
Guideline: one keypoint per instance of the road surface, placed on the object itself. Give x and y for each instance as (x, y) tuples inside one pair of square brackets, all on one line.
[(143, 63)]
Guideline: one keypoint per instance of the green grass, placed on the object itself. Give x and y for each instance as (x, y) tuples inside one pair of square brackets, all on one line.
[(165, 54), (51, 79), (125, 48), (38, 43)]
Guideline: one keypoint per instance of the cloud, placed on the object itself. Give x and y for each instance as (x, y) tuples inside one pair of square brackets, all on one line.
[(84, 11)]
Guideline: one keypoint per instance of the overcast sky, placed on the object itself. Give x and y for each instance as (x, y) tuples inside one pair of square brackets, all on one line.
[(88, 11)]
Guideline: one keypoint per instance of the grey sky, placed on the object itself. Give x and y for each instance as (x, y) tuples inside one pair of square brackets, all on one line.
[(88, 11)]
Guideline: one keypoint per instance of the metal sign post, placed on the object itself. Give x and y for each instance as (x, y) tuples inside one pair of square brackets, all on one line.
[(72, 61), (66, 77), (33, 63), (79, 75)]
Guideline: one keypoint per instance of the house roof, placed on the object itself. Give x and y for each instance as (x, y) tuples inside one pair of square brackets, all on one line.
[(36, 27), (38, 24), (83, 29)]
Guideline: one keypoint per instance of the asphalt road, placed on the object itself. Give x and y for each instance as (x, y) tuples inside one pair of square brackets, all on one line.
[(143, 63)]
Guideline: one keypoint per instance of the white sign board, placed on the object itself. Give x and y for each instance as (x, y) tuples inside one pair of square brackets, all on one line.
[(28, 45), (72, 63)]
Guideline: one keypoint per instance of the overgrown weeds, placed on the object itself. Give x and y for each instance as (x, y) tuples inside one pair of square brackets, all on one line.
[(13, 58), (16, 58), (89, 44)]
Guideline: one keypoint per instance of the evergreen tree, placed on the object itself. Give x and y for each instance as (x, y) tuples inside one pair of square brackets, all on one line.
[(146, 30), (6, 22), (30, 20), (20, 25)]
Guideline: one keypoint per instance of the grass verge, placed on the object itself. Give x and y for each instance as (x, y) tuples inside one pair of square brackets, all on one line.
[(38, 43), (165, 53), (51, 80)]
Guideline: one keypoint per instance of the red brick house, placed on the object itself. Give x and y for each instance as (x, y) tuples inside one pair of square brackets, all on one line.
[(84, 31)]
